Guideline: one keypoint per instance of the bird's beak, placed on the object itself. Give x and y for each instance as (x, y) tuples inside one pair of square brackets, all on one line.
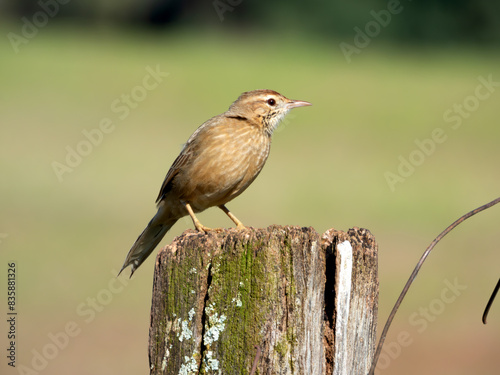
[(296, 103)]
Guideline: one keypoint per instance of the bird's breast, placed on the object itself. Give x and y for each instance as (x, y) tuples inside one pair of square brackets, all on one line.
[(226, 161)]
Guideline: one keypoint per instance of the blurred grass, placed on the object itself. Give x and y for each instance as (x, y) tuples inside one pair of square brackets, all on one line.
[(326, 170)]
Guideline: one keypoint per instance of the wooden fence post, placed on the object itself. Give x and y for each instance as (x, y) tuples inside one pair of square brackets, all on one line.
[(285, 298)]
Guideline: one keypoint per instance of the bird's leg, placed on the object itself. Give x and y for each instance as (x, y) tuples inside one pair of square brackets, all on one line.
[(238, 223), (199, 226)]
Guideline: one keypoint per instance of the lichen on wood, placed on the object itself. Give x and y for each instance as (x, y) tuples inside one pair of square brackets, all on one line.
[(218, 296)]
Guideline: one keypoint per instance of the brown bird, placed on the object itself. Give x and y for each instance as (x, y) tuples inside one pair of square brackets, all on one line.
[(218, 162)]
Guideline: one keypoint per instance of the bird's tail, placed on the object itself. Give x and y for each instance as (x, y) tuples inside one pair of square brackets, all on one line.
[(146, 242)]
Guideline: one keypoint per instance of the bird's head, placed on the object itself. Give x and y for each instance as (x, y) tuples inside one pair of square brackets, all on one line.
[(264, 107)]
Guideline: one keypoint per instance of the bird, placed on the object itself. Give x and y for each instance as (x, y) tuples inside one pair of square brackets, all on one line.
[(217, 163)]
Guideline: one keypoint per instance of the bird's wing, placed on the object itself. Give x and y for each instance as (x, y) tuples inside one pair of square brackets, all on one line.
[(186, 153), (179, 162)]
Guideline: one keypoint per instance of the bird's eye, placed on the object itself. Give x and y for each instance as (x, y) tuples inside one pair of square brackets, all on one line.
[(271, 102)]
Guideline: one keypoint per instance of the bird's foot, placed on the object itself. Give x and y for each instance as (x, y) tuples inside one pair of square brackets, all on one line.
[(239, 224), (201, 228)]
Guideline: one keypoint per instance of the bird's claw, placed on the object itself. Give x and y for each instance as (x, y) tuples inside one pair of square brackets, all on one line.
[(202, 228)]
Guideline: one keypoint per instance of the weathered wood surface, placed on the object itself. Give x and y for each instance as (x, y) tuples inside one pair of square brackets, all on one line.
[(219, 298), (351, 337)]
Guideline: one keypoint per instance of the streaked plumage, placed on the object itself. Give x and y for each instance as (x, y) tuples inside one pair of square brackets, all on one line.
[(218, 162)]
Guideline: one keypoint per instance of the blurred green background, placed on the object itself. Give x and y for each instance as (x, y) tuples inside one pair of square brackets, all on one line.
[(428, 68)]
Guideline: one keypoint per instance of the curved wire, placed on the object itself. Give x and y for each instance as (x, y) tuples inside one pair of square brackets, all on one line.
[(490, 301), (414, 275)]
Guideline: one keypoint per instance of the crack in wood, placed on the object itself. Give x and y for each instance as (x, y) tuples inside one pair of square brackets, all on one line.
[(272, 287)]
